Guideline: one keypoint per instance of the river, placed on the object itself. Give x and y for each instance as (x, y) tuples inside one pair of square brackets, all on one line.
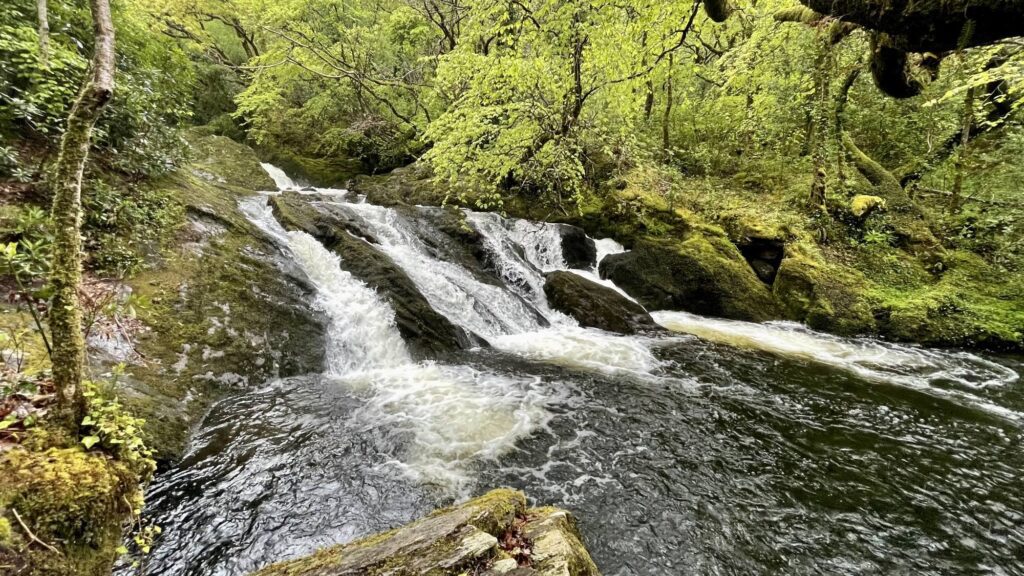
[(721, 447)]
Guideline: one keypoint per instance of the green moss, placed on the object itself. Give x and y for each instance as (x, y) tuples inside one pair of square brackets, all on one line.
[(410, 185), (71, 499), (862, 204), (334, 172), (971, 303), (824, 295), (219, 311), (222, 160)]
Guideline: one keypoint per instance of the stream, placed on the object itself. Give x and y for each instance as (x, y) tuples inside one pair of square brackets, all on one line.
[(721, 447)]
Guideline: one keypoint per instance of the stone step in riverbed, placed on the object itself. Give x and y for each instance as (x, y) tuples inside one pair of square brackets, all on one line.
[(486, 536)]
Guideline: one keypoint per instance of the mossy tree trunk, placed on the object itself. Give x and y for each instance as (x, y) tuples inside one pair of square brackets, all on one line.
[(66, 314), (666, 143), (821, 117), (840, 110), (963, 152)]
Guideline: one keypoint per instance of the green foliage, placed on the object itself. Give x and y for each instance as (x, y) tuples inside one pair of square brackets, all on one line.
[(124, 223), (11, 165), (109, 427), (137, 134)]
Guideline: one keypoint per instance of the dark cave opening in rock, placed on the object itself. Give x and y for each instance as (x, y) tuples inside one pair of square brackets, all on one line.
[(764, 256)]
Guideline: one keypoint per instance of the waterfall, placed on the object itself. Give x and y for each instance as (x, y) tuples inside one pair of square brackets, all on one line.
[(522, 252), (509, 315), (485, 309), (453, 416), (282, 180), (362, 332)]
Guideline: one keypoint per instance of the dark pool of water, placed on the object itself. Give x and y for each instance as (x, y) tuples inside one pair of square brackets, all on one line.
[(724, 462)]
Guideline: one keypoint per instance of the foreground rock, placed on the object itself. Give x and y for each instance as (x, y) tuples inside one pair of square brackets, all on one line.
[(596, 306), (490, 535)]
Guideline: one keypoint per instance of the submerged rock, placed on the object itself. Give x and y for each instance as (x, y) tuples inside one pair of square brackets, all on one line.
[(703, 274), (423, 328), (492, 534), (594, 305)]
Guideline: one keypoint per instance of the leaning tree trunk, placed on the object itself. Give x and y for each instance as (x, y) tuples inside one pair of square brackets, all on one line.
[(66, 315)]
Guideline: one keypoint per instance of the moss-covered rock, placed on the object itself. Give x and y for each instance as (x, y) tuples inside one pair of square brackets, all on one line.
[(702, 274), (824, 296), (223, 161), (224, 309), (423, 328), (971, 303), (408, 185), (863, 204), (463, 539), (72, 501), (557, 547), (594, 305), (334, 172)]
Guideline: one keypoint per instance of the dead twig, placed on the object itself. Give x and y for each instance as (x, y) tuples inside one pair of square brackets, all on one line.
[(32, 536)]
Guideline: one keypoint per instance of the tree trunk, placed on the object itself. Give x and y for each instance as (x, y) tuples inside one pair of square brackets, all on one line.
[(44, 34), (665, 140), (66, 275), (961, 157), (841, 99), (821, 119)]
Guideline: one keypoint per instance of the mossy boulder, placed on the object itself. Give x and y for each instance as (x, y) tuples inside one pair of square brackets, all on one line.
[(971, 303), (594, 305), (823, 296), (704, 274), (863, 204), (425, 330), (557, 548), (72, 500), (409, 185), (333, 172), (467, 538), (223, 161)]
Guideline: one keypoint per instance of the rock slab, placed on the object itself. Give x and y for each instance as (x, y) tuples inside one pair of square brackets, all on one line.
[(596, 306), (466, 538)]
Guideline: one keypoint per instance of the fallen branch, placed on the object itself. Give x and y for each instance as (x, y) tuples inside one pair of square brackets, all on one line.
[(946, 193), (32, 537)]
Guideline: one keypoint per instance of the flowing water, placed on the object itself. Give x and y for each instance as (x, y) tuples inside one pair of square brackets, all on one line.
[(721, 447)]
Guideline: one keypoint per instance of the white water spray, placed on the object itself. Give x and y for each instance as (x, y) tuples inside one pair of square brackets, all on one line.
[(282, 180), (452, 416), (941, 373), (485, 309)]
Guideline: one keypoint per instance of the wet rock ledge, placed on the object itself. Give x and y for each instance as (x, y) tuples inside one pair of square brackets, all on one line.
[(495, 534)]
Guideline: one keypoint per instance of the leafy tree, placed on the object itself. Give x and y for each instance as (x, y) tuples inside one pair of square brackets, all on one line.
[(68, 353)]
